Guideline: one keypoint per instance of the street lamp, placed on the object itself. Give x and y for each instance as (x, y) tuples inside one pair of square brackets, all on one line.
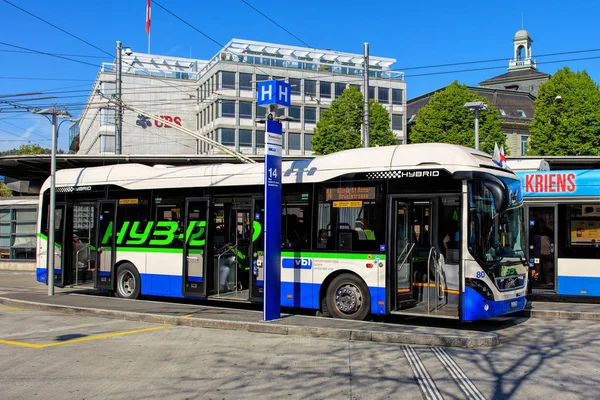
[(476, 106), (50, 253)]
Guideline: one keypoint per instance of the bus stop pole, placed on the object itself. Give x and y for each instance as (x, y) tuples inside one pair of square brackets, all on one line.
[(51, 213)]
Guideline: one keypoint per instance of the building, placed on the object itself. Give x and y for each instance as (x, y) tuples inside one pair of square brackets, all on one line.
[(512, 94), (18, 232), (217, 98)]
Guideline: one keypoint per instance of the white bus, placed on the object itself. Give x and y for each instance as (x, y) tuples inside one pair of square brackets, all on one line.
[(424, 229)]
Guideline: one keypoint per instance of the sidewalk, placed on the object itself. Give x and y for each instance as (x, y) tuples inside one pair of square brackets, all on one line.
[(162, 312)]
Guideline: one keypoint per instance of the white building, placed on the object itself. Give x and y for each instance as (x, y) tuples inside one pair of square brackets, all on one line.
[(217, 98)]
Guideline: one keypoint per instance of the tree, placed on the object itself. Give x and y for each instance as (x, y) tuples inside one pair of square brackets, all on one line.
[(446, 120), (4, 191), (339, 128), (28, 149), (570, 124)]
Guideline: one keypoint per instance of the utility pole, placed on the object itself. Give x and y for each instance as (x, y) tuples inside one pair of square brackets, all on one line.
[(119, 110), (50, 259), (476, 106), (366, 98)]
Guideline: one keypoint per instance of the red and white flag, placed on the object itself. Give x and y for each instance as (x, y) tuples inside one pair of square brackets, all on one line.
[(148, 18)]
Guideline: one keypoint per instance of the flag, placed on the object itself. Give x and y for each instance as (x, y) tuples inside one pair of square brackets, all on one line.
[(148, 18), (496, 156), (503, 163)]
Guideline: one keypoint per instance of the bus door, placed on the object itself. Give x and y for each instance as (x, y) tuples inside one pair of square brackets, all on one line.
[(106, 244), (257, 249), (195, 246), (420, 272), (60, 250)]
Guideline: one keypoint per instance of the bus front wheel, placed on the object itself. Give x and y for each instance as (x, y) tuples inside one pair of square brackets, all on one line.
[(348, 298), (128, 282)]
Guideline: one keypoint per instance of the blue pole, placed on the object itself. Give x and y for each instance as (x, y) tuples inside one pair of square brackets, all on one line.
[(272, 277)]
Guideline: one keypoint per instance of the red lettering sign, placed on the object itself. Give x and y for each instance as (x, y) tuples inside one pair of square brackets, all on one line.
[(175, 120), (550, 183)]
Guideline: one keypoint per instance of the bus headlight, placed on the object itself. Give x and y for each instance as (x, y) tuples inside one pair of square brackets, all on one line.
[(480, 287)]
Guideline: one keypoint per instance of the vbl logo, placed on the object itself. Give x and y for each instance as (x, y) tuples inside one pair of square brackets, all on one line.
[(297, 263)]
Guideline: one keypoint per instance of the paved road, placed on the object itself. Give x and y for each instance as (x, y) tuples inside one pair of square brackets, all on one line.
[(57, 356)]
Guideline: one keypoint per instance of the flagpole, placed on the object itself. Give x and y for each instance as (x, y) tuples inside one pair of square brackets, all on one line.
[(148, 41)]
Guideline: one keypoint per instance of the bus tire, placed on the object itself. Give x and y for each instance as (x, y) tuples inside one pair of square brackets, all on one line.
[(348, 297), (128, 282)]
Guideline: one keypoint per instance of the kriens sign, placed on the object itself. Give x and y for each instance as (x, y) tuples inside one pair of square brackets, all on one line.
[(560, 183)]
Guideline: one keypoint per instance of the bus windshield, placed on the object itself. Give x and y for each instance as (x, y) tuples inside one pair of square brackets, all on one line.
[(495, 237)]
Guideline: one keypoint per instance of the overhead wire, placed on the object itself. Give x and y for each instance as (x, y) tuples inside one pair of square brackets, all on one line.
[(60, 29)]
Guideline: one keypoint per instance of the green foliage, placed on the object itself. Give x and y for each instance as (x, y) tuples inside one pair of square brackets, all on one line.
[(28, 149), (446, 120), (339, 127), (4, 191), (570, 125)]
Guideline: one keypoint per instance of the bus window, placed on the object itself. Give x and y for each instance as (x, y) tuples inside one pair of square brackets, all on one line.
[(351, 218), (295, 223)]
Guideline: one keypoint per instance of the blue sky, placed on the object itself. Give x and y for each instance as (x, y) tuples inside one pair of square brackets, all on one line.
[(414, 33)]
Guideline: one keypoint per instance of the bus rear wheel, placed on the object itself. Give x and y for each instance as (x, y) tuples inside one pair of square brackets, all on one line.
[(348, 298), (128, 282)]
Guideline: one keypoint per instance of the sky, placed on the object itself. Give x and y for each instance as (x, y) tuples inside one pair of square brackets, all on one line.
[(416, 34)]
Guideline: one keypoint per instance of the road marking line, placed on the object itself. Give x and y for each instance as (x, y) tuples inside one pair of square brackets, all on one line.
[(78, 340), (426, 384), (458, 375), (10, 308), (187, 315)]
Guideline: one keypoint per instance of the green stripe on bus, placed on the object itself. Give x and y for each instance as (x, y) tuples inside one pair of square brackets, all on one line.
[(41, 235), (347, 256)]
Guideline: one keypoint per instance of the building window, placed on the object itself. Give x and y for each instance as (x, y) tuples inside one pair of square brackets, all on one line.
[(502, 112), (397, 122), (521, 113), (245, 81), (524, 145), (18, 233), (310, 115), (325, 90), (260, 138), (308, 142), (296, 86), (227, 136), (383, 95), (371, 92), (261, 78), (339, 89), (261, 112), (107, 144), (245, 110), (293, 141), (245, 139), (227, 80), (310, 88), (397, 96), (227, 108), (107, 117), (294, 112)]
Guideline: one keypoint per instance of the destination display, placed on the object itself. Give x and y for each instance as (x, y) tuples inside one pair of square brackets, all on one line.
[(350, 193)]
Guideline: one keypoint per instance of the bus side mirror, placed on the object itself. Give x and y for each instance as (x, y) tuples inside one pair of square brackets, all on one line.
[(499, 194)]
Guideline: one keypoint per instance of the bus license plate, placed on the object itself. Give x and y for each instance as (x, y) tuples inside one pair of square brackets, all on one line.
[(513, 304)]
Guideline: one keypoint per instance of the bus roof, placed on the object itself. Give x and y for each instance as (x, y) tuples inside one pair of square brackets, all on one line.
[(321, 168)]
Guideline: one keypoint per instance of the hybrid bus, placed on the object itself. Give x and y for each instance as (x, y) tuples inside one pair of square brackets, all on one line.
[(423, 229)]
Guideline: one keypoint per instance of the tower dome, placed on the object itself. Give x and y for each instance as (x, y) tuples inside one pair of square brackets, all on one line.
[(522, 34)]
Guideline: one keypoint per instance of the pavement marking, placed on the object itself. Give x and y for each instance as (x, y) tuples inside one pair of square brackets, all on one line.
[(426, 384), (464, 383), (9, 308), (78, 340), (187, 315)]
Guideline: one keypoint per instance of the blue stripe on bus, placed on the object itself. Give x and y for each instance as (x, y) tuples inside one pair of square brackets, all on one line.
[(579, 285), (40, 274), (195, 279), (473, 306)]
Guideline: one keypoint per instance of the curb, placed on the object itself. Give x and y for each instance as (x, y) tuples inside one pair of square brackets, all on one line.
[(428, 339), (559, 314)]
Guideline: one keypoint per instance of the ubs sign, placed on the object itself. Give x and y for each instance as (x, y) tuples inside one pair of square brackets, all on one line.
[(146, 122)]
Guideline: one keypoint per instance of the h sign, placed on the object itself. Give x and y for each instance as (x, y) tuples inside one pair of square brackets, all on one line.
[(274, 92)]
